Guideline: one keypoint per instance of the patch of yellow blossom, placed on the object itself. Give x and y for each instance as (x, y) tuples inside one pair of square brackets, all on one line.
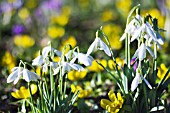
[(24, 41), (114, 104), (76, 75), (82, 93), (108, 15), (124, 6), (63, 18), (83, 3), (113, 32), (162, 71), (70, 40), (56, 31), (31, 3), (8, 60), (119, 61), (60, 20), (24, 92), (95, 67), (23, 13)]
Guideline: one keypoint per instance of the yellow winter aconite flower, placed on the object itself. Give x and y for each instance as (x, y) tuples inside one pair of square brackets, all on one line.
[(8, 60), (162, 71), (70, 40), (113, 32), (124, 6), (107, 15), (66, 10), (82, 93), (23, 13), (24, 41), (95, 67), (119, 61), (60, 20), (115, 43), (56, 31), (23, 92), (76, 75), (114, 104)]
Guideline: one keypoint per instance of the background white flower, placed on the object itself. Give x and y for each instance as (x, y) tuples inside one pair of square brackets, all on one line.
[(15, 75), (98, 44)]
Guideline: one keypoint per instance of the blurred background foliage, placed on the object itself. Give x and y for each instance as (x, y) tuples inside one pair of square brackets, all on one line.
[(27, 25)]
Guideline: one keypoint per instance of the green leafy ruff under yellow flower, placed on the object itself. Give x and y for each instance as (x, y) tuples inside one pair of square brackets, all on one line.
[(114, 105)]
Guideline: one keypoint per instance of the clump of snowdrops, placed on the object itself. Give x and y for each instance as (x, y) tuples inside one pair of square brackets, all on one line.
[(139, 91)]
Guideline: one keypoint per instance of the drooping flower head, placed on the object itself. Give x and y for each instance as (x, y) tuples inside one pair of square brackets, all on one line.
[(98, 44)]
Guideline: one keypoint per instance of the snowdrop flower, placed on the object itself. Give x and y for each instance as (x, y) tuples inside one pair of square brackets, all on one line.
[(30, 76), (15, 75), (141, 52), (83, 58), (38, 61), (132, 26), (48, 49), (98, 44), (145, 28), (67, 67), (137, 80), (18, 72)]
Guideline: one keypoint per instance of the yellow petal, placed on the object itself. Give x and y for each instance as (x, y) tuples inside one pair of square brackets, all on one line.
[(112, 96), (15, 94), (33, 88), (104, 103)]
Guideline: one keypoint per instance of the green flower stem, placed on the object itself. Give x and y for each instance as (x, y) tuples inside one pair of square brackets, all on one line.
[(29, 87), (41, 95), (155, 60), (65, 84), (51, 79), (61, 83)]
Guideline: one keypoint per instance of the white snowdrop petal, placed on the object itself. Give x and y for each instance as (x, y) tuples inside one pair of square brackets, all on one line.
[(105, 48), (159, 46), (123, 37), (56, 71), (92, 47), (73, 60), (77, 67), (151, 33), (129, 26), (26, 75), (136, 34), (14, 68), (147, 83), (12, 76), (38, 61), (142, 52), (16, 80), (84, 59), (160, 39), (34, 76), (135, 82), (58, 53), (150, 51)]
